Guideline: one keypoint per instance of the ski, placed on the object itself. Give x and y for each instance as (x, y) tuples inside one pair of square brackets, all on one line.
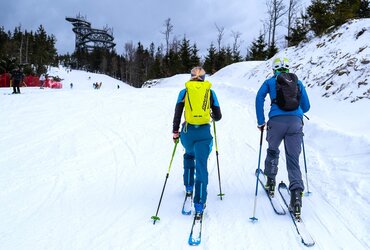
[(298, 222), (196, 230), (12, 93), (275, 203), (186, 206)]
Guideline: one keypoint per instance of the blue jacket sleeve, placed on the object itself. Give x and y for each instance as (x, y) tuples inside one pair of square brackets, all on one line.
[(181, 96), (305, 102), (260, 101)]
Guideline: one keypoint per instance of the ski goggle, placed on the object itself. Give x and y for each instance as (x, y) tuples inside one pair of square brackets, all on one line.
[(282, 70)]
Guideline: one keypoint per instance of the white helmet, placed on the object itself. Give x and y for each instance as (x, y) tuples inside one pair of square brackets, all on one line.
[(280, 63)]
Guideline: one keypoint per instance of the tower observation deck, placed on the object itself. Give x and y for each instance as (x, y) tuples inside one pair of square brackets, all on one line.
[(89, 38)]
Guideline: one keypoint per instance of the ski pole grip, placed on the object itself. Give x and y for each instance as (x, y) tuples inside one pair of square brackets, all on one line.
[(261, 137)]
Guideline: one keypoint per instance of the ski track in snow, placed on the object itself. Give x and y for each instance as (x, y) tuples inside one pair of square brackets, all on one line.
[(84, 169)]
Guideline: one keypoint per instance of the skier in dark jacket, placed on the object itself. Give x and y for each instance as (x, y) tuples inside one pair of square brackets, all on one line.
[(17, 79), (283, 125), (195, 134)]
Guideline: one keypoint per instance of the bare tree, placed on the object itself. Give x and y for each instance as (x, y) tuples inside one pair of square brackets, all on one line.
[(268, 23), (236, 36), (175, 45), (27, 48), (20, 49), (219, 36), (236, 46), (168, 30), (129, 56), (275, 10), (292, 10)]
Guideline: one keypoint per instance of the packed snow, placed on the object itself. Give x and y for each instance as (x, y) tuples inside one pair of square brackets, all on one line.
[(83, 168)]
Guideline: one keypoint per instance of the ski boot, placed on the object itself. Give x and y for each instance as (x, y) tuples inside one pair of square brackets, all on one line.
[(189, 191), (198, 216), (296, 202), (188, 201), (270, 186), (199, 209)]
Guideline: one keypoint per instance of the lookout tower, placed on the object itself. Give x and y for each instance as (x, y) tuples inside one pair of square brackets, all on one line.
[(88, 38)]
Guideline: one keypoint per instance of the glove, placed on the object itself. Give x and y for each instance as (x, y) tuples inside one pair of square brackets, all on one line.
[(261, 127), (176, 136)]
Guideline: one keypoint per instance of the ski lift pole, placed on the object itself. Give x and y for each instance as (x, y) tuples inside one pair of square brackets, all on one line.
[(253, 218), (218, 165), (155, 217)]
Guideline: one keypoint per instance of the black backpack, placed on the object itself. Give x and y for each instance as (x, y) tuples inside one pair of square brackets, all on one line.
[(288, 92)]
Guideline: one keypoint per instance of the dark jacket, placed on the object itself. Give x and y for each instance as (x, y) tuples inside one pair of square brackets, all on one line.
[(269, 87), (17, 76)]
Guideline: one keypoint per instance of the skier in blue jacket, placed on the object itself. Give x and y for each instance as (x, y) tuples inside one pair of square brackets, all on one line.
[(283, 125), (196, 137)]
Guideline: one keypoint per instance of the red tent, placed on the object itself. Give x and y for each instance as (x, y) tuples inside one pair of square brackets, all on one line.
[(4, 80), (30, 81)]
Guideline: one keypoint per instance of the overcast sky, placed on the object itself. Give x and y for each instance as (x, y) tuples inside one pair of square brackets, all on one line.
[(140, 20)]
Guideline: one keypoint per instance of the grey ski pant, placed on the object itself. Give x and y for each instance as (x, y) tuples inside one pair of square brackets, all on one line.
[(289, 129)]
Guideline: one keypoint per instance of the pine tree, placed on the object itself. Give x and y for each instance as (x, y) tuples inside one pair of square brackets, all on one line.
[(174, 63), (94, 59), (156, 69), (15, 44), (298, 31), (236, 57), (228, 56), (185, 56), (220, 59), (194, 58), (44, 51), (210, 60), (364, 10), (151, 61), (272, 50), (258, 49), (345, 10), (27, 49), (321, 15), (139, 66), (113, 70), (4, 41)]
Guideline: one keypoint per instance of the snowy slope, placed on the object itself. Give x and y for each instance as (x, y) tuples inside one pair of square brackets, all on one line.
[(84, 168), (336, 64)]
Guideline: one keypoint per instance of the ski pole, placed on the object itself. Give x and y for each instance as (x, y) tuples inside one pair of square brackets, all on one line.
[(305, 167), (155, 217), (218, 165), (258, 173)]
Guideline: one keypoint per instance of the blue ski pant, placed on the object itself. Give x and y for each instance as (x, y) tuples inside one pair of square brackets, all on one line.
[(289, 130), (197, 141)]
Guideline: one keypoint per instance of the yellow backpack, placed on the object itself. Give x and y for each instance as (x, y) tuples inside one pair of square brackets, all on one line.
[(197, 102)]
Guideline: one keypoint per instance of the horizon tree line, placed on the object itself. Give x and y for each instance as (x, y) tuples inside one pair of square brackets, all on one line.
[(137, 64)]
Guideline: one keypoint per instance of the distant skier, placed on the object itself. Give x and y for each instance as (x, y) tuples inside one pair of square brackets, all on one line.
[(42, 80), (289, 101), (17, 79), (198, 100), (71, 85)]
